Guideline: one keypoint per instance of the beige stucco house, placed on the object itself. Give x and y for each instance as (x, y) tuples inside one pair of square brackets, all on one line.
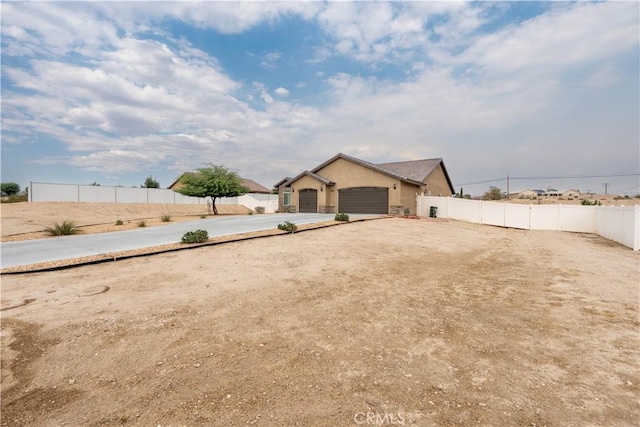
[(349, 185), (571, 194)]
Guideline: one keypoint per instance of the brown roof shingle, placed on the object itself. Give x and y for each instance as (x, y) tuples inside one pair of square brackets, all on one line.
[(253, 186), (417, 170)]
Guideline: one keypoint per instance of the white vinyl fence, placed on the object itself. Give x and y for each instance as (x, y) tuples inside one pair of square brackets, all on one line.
[(618, 223), (46, 192), (253, 200)]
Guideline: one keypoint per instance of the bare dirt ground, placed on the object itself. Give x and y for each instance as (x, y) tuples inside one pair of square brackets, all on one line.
[(21, 221), (393, 321)]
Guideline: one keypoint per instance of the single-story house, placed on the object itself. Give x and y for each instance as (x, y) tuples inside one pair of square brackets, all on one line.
[(571, 194), (253, 186), (527, 194), (346, 184), (551, 192)]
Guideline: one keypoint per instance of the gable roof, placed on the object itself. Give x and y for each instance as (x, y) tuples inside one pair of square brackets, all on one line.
[(282, 181), (413, 171), (377, 168), (253, 186), (418, 170), (310, 174)]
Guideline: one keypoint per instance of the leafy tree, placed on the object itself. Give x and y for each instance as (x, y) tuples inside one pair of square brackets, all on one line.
[(494, 193), (10, 188), (212, 181), (150, 183)]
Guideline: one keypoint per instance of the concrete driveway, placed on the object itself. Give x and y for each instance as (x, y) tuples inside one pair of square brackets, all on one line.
[(67, 247)]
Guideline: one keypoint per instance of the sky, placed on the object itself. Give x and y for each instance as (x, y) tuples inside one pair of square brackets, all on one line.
[(546, 93)]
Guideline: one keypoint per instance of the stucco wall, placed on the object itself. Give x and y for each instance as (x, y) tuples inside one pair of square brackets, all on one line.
[(437, 183), (308, 182), (346, 175), (408, 197)]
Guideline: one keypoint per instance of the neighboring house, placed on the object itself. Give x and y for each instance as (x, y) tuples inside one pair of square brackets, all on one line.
[(551, 192), (527, 194), (253, 186), (349, 185), (571, 194)]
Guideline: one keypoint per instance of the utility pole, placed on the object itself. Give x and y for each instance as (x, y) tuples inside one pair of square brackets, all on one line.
[(606, 188), (508, 194)]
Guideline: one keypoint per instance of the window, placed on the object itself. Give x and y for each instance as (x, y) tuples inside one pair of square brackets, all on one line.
[(286, 198)]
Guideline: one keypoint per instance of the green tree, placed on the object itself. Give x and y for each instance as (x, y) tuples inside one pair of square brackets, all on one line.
[(212, 181), (150, 183), (494, 193), (10, 188)]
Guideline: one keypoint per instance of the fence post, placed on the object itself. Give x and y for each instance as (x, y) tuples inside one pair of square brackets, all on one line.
[(78, 188), (636, 228)]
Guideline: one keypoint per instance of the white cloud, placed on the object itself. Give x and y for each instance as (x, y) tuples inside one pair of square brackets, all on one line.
[(271, 60), (374, 32), (54, 28), (580, 35), (128, 101)]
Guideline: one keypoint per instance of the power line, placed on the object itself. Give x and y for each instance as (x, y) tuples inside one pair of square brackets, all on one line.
[(552, 177), (579, 176), (482, 182), (627, 189)]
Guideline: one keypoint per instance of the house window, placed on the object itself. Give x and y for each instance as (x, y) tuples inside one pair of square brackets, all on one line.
[(286, 198)]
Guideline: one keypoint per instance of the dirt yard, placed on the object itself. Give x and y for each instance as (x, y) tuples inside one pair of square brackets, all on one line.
[(21, 221), (392, 321)]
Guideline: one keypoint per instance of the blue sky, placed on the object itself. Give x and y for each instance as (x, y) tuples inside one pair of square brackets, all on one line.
[(115, 91)]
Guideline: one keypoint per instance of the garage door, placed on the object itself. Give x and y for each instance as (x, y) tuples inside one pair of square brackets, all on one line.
[(370, 200), (308, 201)]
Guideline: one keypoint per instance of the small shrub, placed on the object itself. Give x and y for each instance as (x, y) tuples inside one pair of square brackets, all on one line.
[(65, 228), (203, 216), (341, 217), (198, 236), (166, 218), (142, 223), (15, 198), (119, 222), (586, 202), (287, 226), (259, 209)]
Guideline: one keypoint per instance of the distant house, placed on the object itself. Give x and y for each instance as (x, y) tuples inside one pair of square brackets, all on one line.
[(571, 194), (551, 192), (253, 186), (350, 185), (528, 194)]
